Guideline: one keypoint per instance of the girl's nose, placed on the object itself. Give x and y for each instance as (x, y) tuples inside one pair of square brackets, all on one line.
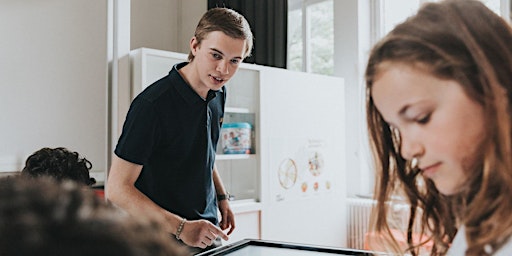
[(411, 147)]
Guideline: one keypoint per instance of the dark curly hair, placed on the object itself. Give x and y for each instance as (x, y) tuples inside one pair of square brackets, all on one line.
[(59, 163)]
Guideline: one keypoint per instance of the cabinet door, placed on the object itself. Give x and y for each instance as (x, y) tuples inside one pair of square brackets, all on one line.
[(247, 227), (302, 150)]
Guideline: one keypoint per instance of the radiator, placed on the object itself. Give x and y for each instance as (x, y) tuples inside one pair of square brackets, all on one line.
[(359, 210)]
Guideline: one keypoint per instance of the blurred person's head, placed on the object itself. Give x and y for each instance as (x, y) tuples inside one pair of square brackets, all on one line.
[(41, 216)]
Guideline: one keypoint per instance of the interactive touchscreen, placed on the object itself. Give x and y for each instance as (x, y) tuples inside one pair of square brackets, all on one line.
[(250, 247)]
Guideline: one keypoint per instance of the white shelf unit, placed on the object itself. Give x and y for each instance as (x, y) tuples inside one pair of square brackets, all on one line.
[(241, 172), (222, 157), (236, 110)]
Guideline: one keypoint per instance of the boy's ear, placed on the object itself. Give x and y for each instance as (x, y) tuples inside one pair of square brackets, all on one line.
[(194, 45)]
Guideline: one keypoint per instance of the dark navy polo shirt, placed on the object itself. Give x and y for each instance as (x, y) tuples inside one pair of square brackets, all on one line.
[(173, 133)]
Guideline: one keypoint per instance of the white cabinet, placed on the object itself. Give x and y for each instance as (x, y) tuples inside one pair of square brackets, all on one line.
[(292, 185), (302, 133), (247, 227)]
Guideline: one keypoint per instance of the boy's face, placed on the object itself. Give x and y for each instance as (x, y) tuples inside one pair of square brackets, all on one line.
[(438, 123), (216, 59)]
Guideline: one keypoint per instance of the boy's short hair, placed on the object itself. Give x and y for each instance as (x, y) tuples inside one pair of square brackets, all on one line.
[(228, 21)]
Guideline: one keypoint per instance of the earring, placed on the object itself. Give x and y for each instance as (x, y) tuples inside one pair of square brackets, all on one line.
[(414, 163)]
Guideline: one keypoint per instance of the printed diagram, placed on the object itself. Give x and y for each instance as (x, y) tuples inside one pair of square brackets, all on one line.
[(316, 164), (287, 173), (302, 170)]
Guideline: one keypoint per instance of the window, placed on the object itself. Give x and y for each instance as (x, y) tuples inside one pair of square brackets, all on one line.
[(311, 36), (392, 12)]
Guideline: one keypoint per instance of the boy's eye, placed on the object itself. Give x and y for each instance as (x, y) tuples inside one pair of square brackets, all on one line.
[(217, 56), (235, 61)]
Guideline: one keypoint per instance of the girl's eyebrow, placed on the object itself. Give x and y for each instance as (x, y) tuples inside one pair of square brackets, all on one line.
[(401, 114), (403, 110)]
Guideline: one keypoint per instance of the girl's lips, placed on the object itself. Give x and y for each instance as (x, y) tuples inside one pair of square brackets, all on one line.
[(430, 170)]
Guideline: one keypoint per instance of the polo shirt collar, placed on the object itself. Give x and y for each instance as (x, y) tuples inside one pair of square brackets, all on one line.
[(184, 89)]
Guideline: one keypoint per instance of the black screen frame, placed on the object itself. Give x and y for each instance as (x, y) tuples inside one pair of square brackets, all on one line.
[(227, 249)]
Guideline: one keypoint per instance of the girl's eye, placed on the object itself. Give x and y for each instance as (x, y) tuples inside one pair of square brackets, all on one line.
[(235, 61), (217, 56), (424, 119)]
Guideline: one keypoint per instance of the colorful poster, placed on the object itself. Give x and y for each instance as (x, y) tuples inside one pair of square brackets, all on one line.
[(300, 170)]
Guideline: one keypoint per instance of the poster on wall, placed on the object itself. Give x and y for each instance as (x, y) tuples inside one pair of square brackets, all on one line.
[(300, 168)]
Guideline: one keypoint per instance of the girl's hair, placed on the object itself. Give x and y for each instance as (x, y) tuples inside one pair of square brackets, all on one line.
[(227, 21), (464, 41), (59, 163)]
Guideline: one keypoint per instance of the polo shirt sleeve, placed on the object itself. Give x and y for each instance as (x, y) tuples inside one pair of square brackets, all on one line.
[(139, 133)]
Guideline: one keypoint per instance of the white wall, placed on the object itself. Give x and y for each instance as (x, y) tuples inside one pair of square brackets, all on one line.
[(189, 15), (53, 79), (154, 25), (165, 24)]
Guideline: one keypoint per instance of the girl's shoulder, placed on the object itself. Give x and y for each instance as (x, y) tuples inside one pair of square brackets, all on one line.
[(459, 245), (505, 250)]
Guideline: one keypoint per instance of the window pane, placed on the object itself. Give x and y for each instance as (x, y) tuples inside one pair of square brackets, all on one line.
[(321, 37), (295, 45)]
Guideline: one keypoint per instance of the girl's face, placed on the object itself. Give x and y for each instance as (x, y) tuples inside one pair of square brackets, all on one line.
[(438, 123)]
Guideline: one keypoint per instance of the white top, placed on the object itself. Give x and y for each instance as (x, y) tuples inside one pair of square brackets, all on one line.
[(460, 245)]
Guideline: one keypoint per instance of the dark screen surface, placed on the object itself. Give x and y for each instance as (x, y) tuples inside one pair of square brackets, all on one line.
[(252, 247)]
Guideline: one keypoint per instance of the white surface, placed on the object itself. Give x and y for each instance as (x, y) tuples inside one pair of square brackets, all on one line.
[(154, 25), (10, 163), (236, 110), (149, 65), (271, 251), (303, 112), (221, 157), (53, 78), (247, 226), (244, 206), (459, 245)]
